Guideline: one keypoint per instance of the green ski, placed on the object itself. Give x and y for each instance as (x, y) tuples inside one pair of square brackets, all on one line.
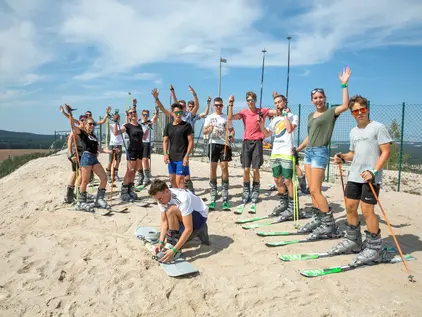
[(314, 256), (345, 268), (225, 205), (281, 243), (139, 188), (247, 220), (212, 205), (239, 209), (252, 208), (277, 233)]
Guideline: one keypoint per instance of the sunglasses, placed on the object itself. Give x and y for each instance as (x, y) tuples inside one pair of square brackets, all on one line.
[(250, 100), (218, 105), (314, 91), (131, 113), (145, 114), (357, 111), (177, 113), (90, 123)]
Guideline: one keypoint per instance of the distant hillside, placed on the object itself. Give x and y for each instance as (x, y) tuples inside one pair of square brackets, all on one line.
[(24, 140)]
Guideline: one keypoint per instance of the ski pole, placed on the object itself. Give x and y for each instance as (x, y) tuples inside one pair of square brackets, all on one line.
[(69, 110), (227, 130), (342, 183), (410, 276), (262, 79), (112, 175)]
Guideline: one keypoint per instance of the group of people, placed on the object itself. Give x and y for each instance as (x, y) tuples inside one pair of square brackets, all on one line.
[(184, 214)]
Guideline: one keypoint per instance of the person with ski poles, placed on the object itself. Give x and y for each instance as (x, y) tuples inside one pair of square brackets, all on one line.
[(252, 148), (320, 129), (116, 143), (145, 171), (90, 164), (282, 155), (74, 159), (134, 153), (218, 126), (370, 148)]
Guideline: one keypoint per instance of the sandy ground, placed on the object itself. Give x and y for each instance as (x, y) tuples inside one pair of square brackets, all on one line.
[(59, 262)]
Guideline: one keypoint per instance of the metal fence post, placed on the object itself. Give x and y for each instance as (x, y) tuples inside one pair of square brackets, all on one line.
[(298, 125), (327, 178), (401, 146), (101, 130), (369, 108), (55, 138)]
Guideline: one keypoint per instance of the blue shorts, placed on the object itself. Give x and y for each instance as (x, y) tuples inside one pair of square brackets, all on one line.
[(197, 222), (89, 159), (178, 168), (316, 156)]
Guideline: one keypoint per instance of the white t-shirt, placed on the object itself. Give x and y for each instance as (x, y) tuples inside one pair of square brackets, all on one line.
[(147, 131), (219, 122), (283, 140), (115, 140), (186, 202)]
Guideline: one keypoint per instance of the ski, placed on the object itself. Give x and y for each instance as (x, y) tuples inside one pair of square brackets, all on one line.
[(345, 268), (258, 225), (277, 233), (239, 209), (252, 208), (212, 205), (225, 206), (139, 188), (315, 256), (282, 243), (247, 220)]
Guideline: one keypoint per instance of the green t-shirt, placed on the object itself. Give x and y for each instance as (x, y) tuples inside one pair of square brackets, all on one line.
[(321, 129)]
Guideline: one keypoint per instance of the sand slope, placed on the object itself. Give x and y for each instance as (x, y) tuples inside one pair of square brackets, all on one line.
[(58, 262)]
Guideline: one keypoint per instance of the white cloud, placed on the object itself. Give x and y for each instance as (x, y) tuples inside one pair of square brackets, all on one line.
[(118, 37)]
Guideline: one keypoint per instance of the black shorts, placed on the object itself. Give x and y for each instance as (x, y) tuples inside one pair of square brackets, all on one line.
[(118, 155), (74, 164), (147, 150), (252, 154), (217, 153), (296, 155), (135, 155), (362, 191)]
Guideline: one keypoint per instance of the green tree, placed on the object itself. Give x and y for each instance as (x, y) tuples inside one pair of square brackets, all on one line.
[(395, 132)]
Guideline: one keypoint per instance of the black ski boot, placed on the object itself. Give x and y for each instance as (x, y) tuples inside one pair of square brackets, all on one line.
[(282, 205), (132, 192), (225, 190), (312, 225), (288, 213), (352, 242), (327, 228), (116, 175), (100, 202), (83, 205), (147, 177), (108, 173), (140, 181), (373, 250), (124, 196), (213, 190), (70, 195), (255, 192), (302, 184), (246, 192), (189, 186)]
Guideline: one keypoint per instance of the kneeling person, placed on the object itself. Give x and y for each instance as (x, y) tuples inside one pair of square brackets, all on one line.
[(183, 217)]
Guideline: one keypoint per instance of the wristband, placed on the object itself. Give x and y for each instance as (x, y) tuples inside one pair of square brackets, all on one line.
[(285, 114), (69, 156), (187, 154), (156, 99), (343, 85), (174, 251), (161, 242), (375, 172), (166, 153)]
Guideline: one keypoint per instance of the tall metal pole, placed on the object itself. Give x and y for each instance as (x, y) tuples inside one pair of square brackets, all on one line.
[(262, 78), (288, 70), (219, 80)]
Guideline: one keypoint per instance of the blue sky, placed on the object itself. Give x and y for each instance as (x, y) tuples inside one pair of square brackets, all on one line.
[(90, 54)]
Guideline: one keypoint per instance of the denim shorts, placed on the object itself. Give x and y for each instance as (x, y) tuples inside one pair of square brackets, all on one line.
[(89, 159), (316, 156)]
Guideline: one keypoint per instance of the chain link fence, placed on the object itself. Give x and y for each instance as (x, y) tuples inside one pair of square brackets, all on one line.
[(403, 171)]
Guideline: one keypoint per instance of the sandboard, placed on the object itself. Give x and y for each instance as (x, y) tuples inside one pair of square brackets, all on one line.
[(177, 268)]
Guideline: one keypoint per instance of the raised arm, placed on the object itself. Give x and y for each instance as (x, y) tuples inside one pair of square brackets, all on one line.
[(344, 78), (230, 115), (116, 131), (207, 109), (155, 116), (173, 94), (102, 121), (74, 121), (155, 93), (195, 101)]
